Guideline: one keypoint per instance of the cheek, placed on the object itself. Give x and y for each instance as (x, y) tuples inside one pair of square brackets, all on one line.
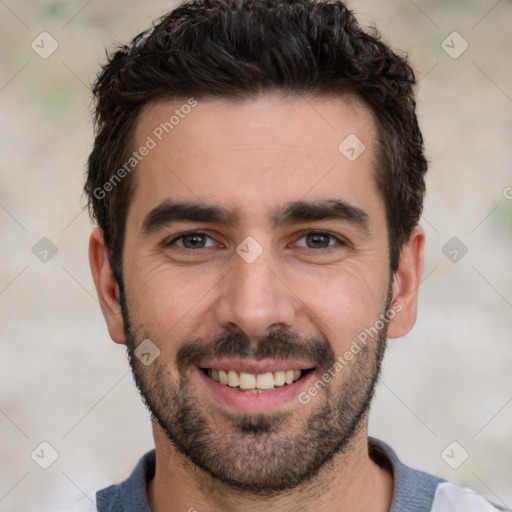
[(166, 300), (344, 303)]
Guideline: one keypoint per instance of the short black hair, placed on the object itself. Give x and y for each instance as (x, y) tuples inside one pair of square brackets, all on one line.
[(241, 48)]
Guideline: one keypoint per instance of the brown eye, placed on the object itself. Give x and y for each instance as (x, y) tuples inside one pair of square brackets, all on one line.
[(318, 240), (193, 240)]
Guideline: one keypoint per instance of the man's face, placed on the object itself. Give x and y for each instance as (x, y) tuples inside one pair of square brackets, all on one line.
[(283, 270)]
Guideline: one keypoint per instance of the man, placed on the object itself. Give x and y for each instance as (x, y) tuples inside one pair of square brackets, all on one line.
[(257, 178)]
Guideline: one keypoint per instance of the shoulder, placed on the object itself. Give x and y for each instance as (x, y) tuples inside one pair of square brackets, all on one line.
[(132, 493), (450, 497), (417, 491)]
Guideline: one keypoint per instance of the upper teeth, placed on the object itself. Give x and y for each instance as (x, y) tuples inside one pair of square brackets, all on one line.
[(245, 381)]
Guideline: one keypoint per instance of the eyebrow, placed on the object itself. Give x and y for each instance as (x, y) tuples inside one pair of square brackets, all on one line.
[(169, 212)]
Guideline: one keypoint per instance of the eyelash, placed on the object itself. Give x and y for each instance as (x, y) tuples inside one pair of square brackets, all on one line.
[(341, 241)]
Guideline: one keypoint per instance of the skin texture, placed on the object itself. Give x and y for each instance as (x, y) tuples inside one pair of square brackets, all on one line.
[(253, 157)]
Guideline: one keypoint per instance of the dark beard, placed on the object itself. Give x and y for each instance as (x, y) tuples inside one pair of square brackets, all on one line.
[(258, 453)]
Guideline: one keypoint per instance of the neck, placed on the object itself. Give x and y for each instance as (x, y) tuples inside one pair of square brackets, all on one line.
[(351, 482)]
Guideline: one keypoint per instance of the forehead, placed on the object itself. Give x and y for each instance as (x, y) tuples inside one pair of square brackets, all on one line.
[(254, 154)]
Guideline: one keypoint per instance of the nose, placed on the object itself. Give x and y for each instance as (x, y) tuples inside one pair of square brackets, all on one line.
[(255, 298)]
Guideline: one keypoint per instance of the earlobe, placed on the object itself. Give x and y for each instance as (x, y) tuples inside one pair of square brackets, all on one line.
[(106, 287), (406, 281)]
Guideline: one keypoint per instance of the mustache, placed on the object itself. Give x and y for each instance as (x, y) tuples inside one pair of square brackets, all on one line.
[(279, 344)]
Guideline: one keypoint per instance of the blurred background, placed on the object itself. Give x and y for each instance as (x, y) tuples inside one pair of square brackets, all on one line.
[(445, 399)]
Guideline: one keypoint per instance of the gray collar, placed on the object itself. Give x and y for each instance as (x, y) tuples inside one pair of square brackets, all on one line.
[(413, 492)]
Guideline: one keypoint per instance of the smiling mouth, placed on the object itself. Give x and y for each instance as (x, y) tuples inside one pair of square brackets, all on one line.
[(255, 383)]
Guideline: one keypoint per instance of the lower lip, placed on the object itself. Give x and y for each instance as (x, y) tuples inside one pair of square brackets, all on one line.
[(255, 402)]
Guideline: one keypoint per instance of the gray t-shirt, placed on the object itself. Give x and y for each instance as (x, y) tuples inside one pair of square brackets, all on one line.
[(414, 490)]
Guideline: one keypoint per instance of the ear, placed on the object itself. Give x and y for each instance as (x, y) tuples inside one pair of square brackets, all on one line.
[(406, 282), (106, 287)]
